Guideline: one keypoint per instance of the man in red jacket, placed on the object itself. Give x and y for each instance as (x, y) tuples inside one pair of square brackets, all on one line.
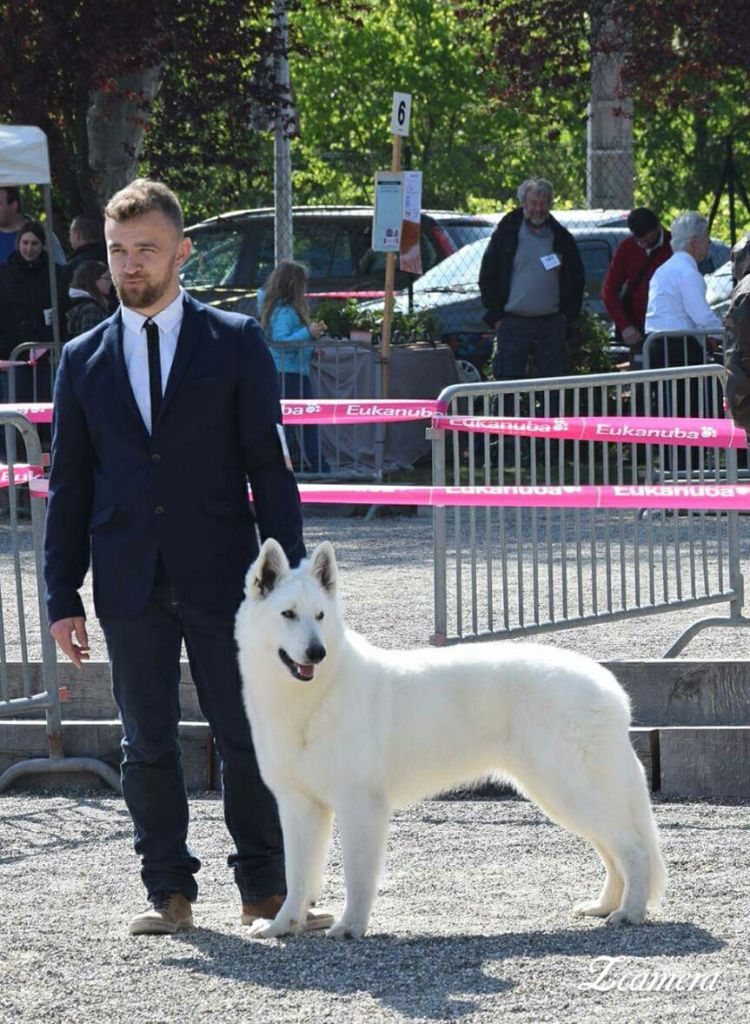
[(625, 288)]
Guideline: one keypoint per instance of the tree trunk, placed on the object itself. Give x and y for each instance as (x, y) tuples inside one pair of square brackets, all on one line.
[(117, 118)]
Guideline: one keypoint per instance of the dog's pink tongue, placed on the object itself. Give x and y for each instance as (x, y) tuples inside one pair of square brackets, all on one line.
[(306, 671)]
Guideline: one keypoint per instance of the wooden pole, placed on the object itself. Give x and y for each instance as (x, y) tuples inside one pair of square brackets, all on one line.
[(390, 276)]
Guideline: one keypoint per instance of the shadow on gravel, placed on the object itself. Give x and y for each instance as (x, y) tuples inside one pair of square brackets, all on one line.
[(35, 833), (420, 977)]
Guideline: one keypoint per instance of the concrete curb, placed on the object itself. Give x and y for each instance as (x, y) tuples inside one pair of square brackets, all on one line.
[(691, 727)]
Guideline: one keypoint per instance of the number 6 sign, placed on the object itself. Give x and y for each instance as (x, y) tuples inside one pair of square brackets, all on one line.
[(401, 113)]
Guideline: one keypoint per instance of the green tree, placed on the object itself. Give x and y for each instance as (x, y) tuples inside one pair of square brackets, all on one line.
[(473, 149), (685, 66), (98, 80)]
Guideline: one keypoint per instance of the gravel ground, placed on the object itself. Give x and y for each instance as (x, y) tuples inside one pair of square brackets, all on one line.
[(473, 918), (472, 922)]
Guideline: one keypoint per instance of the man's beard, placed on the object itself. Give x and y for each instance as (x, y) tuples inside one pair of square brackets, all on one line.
[(143, 295)]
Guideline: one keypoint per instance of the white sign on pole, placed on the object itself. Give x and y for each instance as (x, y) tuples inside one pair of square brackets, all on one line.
[(401, 113), (386, 223)]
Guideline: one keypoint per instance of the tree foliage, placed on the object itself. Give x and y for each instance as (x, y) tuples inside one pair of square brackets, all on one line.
[(685, 66), (499, 92), (56, 55)]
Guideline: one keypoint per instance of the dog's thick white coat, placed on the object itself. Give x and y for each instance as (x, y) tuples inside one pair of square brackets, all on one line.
[(343, 727)]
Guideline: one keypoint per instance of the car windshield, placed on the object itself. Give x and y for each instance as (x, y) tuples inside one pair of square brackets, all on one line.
[(460, 272), (214, 257), (465, 234), (457, 271), (719, 284)]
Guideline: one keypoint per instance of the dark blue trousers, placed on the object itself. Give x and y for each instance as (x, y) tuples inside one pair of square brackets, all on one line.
[(540, 337), (144, 654)]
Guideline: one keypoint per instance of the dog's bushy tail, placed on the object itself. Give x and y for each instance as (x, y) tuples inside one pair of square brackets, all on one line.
[(644, 823)]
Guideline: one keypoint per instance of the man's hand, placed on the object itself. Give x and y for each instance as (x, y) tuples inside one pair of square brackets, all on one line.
[(63, 632), (632, 336)]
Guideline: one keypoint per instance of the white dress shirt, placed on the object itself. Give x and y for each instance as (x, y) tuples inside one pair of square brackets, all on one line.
[(677, 298), (135, 350)]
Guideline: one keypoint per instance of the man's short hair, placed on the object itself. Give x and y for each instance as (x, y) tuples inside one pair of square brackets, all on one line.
[(89, 228), (641, 221), (686, 227), (12, 194), (535, 185), (141, 196)]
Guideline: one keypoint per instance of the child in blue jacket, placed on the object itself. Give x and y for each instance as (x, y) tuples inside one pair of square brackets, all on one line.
[(285, 318)]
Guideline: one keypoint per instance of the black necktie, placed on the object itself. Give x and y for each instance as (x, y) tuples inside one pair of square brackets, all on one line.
[(154, 370)]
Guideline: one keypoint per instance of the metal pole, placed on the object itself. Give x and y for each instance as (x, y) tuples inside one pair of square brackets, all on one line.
[(52, 273), (283, 229)]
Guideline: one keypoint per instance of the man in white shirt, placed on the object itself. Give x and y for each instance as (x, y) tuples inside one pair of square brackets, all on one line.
[(677, 293), (163, 414)]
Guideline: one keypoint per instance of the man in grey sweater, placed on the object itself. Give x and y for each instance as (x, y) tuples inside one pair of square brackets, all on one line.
[(531, 281)]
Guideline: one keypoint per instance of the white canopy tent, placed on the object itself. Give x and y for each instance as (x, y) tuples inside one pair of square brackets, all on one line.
[(24, 160)]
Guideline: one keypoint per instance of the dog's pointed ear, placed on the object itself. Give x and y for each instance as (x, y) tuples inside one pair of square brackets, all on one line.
[(323, 566), (266, 571)]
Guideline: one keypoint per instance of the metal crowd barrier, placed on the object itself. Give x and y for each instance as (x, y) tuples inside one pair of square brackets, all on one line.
[(678, 348), (337, 369), (32, 377), (22, 615), (516, 571)]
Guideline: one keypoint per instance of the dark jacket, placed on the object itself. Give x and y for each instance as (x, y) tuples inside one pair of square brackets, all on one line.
[(737, 354), (82, 315), (497, 268), (119, 495), (89, 251), (24, 296)]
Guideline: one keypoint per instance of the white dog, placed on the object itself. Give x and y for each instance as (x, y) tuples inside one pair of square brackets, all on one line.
[(341, 727)]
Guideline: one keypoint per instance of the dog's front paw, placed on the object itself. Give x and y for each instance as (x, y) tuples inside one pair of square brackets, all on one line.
[(591, 908), (633, 916), (343, 930), (264, 929)]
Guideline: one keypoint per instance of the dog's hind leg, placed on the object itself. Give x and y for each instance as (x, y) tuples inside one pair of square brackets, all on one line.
[(610, 897), (592, 800), (363, 826), (306, 825)]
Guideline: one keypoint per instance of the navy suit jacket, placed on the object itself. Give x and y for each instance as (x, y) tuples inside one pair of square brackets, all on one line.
[(118, 495)]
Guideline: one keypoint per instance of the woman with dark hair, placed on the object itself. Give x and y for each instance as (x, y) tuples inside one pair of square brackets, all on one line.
[(88, 296), (26, 312), (25, 306)]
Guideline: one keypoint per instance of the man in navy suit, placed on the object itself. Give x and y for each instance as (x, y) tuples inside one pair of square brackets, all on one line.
[(162, 415)]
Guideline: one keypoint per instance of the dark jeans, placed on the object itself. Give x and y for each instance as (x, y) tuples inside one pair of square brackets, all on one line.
[(297, 385), (144, 653), (518, 338)]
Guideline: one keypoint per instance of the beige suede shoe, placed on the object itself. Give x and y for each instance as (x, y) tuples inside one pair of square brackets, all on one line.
[(269, 906), (169, 912)]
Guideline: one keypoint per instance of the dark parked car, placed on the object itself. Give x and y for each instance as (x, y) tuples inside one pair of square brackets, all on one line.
[(233, 254)]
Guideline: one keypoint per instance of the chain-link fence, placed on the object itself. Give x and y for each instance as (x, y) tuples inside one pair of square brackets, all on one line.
[(234, 255)]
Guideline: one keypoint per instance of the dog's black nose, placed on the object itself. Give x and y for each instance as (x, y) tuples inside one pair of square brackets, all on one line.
[(315, 653)]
